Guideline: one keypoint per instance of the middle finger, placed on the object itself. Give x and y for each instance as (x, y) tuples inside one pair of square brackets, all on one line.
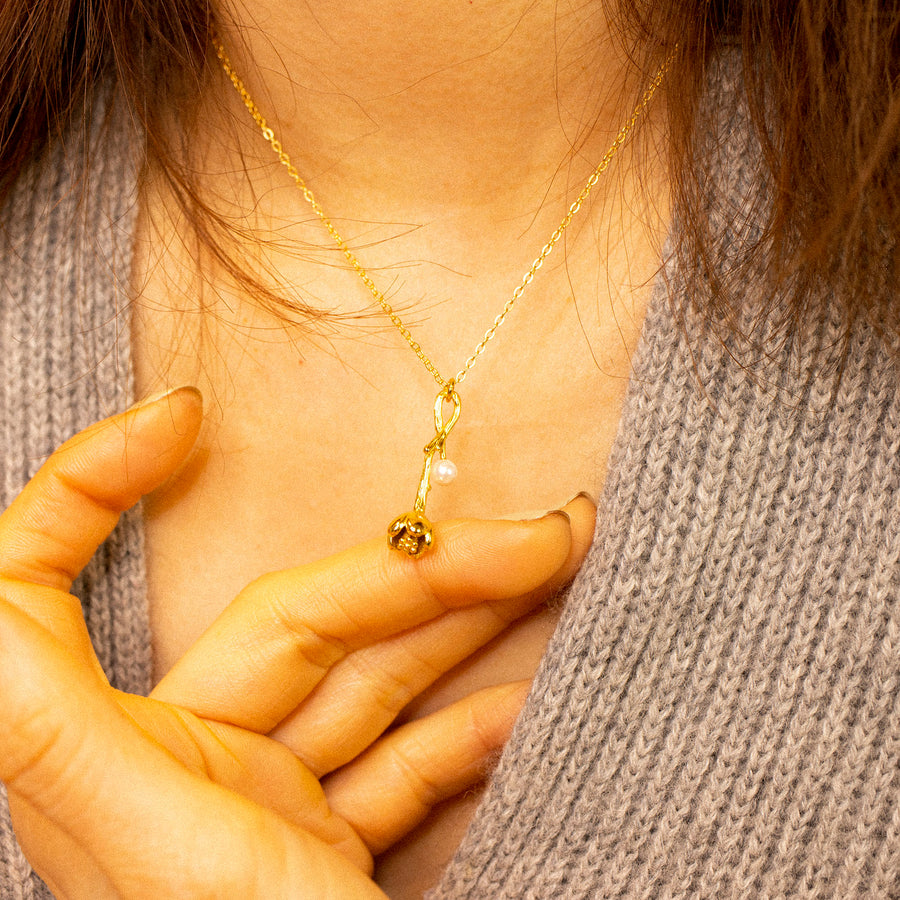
[(363, 694)]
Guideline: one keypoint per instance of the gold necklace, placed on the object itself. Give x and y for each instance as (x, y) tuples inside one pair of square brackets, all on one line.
[(412, 533)]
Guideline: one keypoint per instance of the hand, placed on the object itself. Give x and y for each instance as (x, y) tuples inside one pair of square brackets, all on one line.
[(183, 794)]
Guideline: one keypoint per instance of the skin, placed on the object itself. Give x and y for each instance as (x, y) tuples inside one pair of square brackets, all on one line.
[(451, 169)]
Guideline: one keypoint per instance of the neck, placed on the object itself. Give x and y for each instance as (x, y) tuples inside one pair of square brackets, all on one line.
[(400, 110)]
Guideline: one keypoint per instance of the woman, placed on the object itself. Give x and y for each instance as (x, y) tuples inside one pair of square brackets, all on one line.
[(717, 709)]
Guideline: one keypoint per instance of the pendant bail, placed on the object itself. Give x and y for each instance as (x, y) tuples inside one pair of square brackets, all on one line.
[(437, 445)]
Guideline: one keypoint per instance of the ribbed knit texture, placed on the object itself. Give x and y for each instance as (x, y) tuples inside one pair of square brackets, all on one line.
[(64, 269), (718, 714)]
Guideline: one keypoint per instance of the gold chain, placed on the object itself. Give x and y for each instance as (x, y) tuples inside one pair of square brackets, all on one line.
[(342, 245), (412, 533)]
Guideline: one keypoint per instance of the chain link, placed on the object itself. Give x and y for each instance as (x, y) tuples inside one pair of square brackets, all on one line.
[(355, 264)]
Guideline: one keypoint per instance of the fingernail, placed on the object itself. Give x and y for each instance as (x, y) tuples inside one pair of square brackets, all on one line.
[(537, 516), (161, 395), (556, 512)]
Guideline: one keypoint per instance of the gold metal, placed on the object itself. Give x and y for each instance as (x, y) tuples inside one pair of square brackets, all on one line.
[(412, 532)]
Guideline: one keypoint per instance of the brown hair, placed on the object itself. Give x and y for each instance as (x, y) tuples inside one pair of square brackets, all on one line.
[(821, 80)]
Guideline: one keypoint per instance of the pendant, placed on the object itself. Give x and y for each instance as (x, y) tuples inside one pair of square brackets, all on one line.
[(412, 533)]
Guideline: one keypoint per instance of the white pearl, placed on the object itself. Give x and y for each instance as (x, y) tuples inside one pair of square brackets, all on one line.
[(444, 471)]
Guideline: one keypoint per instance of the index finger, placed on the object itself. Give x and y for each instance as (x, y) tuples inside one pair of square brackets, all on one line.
[(283, 633), (51, 530)]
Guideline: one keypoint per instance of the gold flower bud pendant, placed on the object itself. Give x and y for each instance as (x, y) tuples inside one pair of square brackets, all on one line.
[(412, 533)]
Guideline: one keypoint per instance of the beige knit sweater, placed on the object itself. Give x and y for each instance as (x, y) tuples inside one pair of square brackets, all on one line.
[(718, 714)]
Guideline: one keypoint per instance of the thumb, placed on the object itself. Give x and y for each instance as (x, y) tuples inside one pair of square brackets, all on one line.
[(67, 510)]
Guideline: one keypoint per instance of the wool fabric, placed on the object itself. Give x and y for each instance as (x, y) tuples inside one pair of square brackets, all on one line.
[(65, 259)]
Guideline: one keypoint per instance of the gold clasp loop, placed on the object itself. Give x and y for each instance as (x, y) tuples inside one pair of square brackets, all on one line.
[(447, 395)]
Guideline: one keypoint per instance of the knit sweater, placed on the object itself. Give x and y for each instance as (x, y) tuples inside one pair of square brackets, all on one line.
[(718, 713)]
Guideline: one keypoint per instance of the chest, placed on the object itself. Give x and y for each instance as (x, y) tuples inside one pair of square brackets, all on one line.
[(309, 448)]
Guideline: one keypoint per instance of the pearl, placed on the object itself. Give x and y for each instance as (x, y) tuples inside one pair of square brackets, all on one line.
[(444, 471)]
